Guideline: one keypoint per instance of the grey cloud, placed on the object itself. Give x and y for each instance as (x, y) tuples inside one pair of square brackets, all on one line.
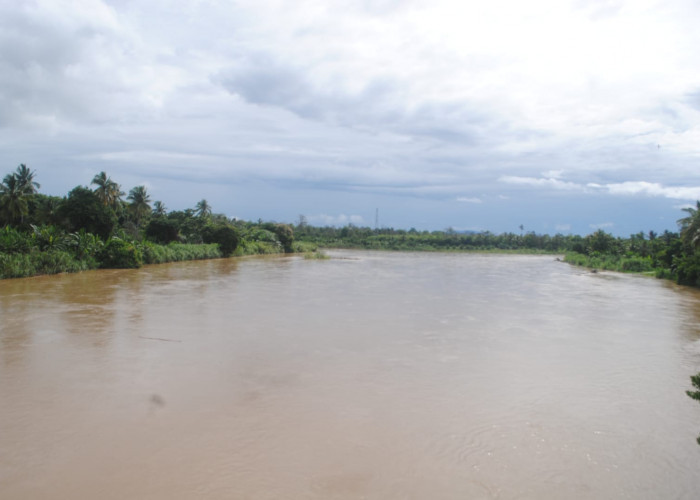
[(61, 64), (378, 106), (260, 79)]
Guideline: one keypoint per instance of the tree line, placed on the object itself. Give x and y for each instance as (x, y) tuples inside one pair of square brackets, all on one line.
[(103, 226), (671, 255), (90, 220)]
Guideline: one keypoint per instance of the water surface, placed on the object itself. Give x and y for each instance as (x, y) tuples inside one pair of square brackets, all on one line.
[(370, 375)]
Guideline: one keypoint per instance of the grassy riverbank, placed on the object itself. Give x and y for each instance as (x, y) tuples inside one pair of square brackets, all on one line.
[(51, 250), (616, 263)]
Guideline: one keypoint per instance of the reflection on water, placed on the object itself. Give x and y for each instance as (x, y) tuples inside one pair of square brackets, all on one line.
[(376, 375)]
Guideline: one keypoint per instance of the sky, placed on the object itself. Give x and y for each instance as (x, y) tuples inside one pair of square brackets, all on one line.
[(564, 116)]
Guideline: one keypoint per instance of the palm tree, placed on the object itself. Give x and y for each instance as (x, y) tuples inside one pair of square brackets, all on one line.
[(203, 208), (13, 199), (25, 177), (159, 208), (139, 203), (108, 191), (690, 226)]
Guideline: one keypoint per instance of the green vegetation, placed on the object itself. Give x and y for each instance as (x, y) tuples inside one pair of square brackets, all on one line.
[(93, 228), (316, 255), (442, 241), (96, 228)]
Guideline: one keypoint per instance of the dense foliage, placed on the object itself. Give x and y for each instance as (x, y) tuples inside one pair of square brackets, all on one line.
[(96, 228)]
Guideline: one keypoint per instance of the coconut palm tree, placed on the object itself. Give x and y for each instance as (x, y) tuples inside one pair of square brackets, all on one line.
[(108, 191), (159, 208), (13, 199), (690, 226), (25, 177), (140, 200), (203, 208)]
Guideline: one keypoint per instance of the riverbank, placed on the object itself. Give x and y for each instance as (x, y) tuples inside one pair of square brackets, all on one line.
[(120, 254), (621, 264)]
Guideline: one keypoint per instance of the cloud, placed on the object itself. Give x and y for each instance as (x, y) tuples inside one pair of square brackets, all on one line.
[(563, 227), (602, 225), (654, 189), (627, 188), (540, 182), (386, 100), (335, 220)]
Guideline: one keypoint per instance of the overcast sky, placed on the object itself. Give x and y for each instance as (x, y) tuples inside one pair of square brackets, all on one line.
[(561, 115)]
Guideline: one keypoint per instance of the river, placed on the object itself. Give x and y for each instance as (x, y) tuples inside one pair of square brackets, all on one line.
[(368, 375)]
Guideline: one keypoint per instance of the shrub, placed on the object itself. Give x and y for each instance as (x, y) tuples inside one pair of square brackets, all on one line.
[(84, 245), (688, 270), (49, 238), (83, 210), (175, 252), (21, 265), (119, 254), (224, 235), (14, 241), (285, 235), (637, 264), (248, 247), (162, 230)]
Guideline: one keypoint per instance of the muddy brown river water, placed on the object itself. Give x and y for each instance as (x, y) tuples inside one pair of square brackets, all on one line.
[(369, 375)]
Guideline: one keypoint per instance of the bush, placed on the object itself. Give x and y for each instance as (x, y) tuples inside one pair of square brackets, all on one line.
[(688, 270), (665, 274), (175, 252), (84, 245), (14, 241), (224, 235), (119, 254), (637, 264), (285, 235), (162, 230), (21, 265), (248, 247), (82, 209)]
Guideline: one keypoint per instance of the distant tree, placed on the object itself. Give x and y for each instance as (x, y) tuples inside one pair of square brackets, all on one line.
[(43, 209), (189, 226), (284, 233), (139, 206), (225, 236), (203, 208), (25, 177), (602, 242), (690, 227), (108, 191), (159, 208), (120, 254), (13, 200), (162, 230), (83, 209)]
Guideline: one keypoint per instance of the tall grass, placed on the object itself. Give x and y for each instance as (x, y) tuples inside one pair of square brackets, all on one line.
[(248, 247), (617, 263), (22, 265), (176, 252)]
